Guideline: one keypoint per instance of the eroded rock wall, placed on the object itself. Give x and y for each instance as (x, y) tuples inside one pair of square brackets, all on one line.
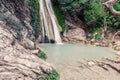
[(16, 34)]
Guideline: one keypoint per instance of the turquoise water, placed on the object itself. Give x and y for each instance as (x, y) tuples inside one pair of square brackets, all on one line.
[(67, 53)]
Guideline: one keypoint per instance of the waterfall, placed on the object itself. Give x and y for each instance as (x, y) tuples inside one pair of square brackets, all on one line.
[(49, 23)]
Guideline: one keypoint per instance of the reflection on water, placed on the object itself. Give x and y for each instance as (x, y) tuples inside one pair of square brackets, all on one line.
[(72, 52)]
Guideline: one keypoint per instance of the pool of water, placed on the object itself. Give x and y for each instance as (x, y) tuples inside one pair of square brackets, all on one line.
[(70, 61), (68, 53)]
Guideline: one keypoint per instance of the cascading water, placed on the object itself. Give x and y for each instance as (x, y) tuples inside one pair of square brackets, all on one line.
[(50, 26)]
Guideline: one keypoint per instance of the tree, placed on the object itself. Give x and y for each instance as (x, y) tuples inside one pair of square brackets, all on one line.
[(109, 5)]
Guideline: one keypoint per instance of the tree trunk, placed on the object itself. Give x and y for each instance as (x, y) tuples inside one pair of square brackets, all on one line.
[(109, 5)]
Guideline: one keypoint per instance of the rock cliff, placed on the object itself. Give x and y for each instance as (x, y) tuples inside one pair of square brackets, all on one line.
[(16, 42)]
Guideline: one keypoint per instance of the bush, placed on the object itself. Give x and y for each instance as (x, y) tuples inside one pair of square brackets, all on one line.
[(98, 36), (94, 14), (117, 5), (42, 55), (53, 75), (96, 33)]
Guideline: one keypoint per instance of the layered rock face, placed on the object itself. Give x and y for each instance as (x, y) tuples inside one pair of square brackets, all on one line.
[(16, 17), (16, 60)]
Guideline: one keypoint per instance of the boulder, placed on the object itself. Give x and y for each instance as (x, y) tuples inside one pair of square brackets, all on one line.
[(116, 45), (75, 34)]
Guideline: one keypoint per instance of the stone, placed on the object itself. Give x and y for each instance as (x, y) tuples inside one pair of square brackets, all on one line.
[(116, 47), (118, 53), (17, 62), (97, 44), (91, 63), (75, 34), (117, 43)]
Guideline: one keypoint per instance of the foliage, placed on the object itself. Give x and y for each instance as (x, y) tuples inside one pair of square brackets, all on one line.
[(96, 33), (93, 11), (59, 16), (65, 1), (112, 21), (96, 30), (53, 75), (117, 5), (34, 12), (94, 14), (98, 36), (42, 55)]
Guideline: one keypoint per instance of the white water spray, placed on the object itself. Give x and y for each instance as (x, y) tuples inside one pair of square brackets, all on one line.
[(49, 23)]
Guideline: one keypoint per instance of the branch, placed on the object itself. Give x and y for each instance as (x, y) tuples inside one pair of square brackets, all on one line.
[(118, 32), (109, 5)]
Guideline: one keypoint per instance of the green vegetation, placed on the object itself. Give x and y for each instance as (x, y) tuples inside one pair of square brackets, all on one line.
[(117, 5), (59, 15), (35, 19), (97, 33), (92, 13), (98, 36), (42, 55), (54, 75), (95, 14)]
